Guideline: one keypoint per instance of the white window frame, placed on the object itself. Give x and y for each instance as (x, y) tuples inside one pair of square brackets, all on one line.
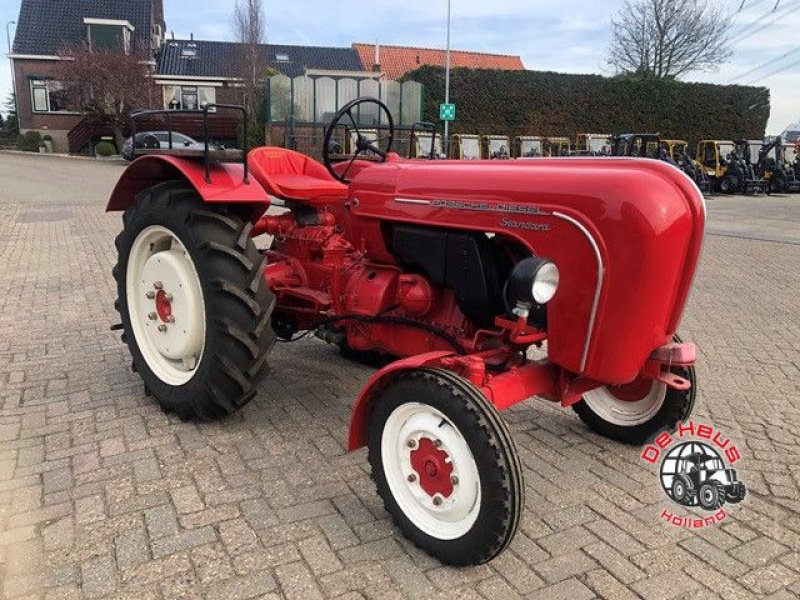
[(42, 84), (211, 90), (125, 25)]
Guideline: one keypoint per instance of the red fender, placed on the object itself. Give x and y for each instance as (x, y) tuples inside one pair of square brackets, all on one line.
[(227, 181), (357, 434)]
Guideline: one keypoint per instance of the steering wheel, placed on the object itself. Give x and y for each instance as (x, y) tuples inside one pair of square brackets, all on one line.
[(380, 147)]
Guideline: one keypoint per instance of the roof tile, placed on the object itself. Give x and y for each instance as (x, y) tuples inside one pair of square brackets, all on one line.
[(44, 27), (396, 61)]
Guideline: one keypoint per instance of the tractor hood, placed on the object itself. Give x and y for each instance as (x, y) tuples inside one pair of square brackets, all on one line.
[(625, 233)]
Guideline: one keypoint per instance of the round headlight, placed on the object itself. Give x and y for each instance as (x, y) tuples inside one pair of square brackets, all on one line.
[(545, 283)]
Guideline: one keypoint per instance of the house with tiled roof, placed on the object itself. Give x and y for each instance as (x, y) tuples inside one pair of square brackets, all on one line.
[(396, 61), (311, 83), (193, 72), (46, 27)]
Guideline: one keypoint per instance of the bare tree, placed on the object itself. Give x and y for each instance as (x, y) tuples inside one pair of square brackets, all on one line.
[(669, 38), (106, 84), (249, 25)]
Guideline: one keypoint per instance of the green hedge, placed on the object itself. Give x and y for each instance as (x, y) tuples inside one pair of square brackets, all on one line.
[(30, 141), (105, 149), (551, 104)]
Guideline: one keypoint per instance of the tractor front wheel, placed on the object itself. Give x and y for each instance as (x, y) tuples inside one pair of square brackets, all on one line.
[(711, 495), (736, 495), (194, 304), (446, 466)]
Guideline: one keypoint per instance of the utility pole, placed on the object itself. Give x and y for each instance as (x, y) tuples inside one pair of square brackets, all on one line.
[(447, 85), (13, 77)]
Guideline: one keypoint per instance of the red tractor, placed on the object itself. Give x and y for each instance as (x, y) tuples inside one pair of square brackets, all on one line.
[(456, 271)]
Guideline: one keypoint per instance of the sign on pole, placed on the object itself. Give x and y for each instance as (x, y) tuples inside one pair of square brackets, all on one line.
[(447, 112)]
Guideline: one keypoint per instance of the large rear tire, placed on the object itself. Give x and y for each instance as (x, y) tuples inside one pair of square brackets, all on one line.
[(194, 304), (446, 466)]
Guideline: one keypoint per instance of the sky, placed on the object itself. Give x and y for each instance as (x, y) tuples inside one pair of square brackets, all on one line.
[(553, 35)]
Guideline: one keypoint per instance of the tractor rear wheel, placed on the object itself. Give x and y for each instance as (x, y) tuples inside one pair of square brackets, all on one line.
[(194, 304), (446, 466), (681, 492)]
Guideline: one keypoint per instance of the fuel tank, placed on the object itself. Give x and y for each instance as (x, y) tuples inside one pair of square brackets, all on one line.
[(625, 233)]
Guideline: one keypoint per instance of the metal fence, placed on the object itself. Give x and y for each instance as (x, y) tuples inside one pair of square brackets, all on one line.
[(315, 99)]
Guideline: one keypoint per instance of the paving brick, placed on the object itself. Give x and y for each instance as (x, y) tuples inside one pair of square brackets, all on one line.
[(666, 586), (183, 540), (318, 554), (132, 548), (564, 566), (241, 588), (758, 552), (98, 577), (569, 589), (297, 582), (161, 521)]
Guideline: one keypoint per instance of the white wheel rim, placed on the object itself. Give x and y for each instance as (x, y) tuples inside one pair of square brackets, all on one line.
[(626, 413), (444, 517), (165, 305)]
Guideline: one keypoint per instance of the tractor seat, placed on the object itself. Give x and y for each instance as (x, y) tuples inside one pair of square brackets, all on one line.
[(294, 176)]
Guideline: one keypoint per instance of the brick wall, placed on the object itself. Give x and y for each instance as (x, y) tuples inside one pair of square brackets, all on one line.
[(55, 124)]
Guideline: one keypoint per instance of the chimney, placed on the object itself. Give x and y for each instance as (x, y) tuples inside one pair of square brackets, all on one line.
[(191, 37), (377, 66)]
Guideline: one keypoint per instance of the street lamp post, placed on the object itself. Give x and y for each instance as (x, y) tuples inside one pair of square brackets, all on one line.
[(447, 84), (11, 65)]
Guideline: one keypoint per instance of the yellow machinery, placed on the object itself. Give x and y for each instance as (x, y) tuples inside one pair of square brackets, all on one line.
[(593, 144), (465, 147), (495, 147), (713, 156), (528, 146), (557, 146), (675, 148)]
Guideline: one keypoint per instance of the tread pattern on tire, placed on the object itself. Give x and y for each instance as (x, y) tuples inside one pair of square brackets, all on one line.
[(502, 486), (237, 299)]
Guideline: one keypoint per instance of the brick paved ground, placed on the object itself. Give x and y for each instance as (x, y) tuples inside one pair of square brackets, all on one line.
[(101, 495)]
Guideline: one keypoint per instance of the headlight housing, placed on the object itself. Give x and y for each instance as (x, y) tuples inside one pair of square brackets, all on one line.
[(533, 280)]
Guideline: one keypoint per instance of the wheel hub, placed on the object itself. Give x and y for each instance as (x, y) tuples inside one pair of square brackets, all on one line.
[(430, 470), (177, 333), (433, 468), (163, 306), (627, 405), (632, 392)]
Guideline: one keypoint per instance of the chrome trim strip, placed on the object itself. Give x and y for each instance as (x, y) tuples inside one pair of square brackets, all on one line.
[(598, 286), (412, 201)]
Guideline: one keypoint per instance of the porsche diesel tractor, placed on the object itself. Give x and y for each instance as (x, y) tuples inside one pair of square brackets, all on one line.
[(455, 271)]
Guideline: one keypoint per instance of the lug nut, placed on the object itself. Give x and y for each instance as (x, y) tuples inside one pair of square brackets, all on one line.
[(158, 285), (168, 297), (437, 443), (437, 500), (411, 443), (411, 478), (454, 479), (170, 319), (162, 328), (152, 316), (150, 295)]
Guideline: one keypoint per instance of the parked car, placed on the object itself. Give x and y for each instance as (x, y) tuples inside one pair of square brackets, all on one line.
[(153, 140)]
